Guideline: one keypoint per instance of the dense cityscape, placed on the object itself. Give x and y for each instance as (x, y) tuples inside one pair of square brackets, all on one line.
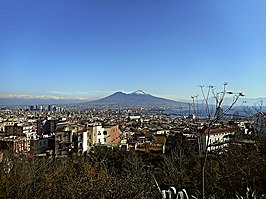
[(58, 133)]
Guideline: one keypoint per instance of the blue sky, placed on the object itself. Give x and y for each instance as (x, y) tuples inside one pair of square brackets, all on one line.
[(90, 49)]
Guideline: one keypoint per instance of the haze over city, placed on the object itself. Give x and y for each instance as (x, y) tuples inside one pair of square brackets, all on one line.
[(90, 49)]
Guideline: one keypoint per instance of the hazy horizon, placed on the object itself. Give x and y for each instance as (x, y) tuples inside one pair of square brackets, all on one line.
[(23, 100)]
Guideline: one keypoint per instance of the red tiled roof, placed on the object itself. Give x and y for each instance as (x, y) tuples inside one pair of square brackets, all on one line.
[(219, 131), (60, 128)]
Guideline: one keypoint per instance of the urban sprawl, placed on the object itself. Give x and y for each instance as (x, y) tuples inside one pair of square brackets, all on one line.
[(64, 131)]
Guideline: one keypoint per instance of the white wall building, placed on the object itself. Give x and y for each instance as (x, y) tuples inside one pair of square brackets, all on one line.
[(218, 138), (95, 134), (102, 135), (82, 141)]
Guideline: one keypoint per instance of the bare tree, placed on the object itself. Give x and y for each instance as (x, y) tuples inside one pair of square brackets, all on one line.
[(208, 93)]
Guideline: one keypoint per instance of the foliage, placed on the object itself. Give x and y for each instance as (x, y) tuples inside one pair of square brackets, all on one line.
[(108, 173)]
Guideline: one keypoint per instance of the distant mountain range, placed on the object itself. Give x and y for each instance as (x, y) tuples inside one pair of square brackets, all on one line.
[(119, 98), (138, 97)]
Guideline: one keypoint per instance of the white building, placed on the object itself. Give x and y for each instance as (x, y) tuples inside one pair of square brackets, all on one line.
[(218, 139), (95, 134), (82, 141), (102, 135)]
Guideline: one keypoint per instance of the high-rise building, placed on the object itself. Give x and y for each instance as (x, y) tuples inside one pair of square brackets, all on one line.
[(31, 108), (50, 107)]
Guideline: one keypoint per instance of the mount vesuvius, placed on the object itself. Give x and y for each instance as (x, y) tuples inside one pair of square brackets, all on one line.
[(138, 97)]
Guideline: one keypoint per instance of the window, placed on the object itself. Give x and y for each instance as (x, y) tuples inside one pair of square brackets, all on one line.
[(105, 132), (104, 139), (99, 132)]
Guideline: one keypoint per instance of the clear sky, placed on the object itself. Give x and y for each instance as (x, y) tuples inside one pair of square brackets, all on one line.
[(92, 48)]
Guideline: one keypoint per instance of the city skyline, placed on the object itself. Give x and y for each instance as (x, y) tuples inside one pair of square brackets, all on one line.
[(89, 50)]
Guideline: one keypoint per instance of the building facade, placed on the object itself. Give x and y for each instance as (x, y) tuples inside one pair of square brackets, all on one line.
[(260, 123)]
